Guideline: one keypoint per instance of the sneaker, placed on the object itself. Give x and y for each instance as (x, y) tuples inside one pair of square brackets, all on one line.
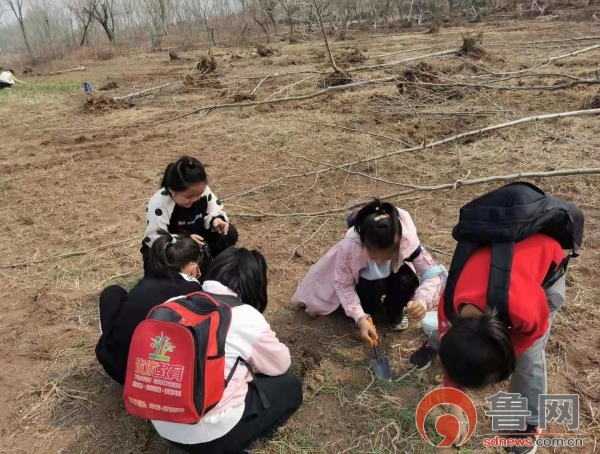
[(530, 433), (402, 325), (423, 357)]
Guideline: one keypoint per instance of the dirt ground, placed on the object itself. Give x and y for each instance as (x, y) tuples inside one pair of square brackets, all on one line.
[(75, 175)]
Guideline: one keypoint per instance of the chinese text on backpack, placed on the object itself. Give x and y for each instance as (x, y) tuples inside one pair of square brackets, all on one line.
[(175, 369), (502, 218)]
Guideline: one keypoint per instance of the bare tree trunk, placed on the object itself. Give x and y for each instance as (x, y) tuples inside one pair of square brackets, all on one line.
[(264, 25), (210, 31), (49, 32), (86, 27), (163, 17), (291, 27), (103, 20), (25, 38), (17, 8)]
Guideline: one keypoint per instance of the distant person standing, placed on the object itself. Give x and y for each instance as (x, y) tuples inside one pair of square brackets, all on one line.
[(8, 79)]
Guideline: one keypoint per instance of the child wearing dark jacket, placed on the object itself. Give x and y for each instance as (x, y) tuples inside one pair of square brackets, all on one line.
[(175, 268)]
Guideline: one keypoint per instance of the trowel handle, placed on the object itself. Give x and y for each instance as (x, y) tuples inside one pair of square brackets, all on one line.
[(373, 340)]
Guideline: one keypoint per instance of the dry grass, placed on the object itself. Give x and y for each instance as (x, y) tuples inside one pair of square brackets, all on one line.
[(73, 182)]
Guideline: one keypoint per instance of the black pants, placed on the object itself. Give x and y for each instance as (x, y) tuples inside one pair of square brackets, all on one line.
[(284, 395), (216, 243), (398, 289), (109, 306), (5, 85)]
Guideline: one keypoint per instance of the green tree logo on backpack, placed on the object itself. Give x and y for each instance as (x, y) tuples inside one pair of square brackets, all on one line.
[(163, 346)]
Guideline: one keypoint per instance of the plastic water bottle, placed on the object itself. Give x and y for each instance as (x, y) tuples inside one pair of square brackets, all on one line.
[(87, 87)]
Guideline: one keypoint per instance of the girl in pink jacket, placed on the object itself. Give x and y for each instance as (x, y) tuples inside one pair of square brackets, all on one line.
[(380, 262), (254, 403)]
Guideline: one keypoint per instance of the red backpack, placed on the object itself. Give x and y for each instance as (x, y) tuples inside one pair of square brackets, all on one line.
[(175, 370)]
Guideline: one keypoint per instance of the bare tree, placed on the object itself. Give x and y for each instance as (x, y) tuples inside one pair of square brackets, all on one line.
[(291, 8), (263, 13), (17, 8), (104, 18), (84, 16)]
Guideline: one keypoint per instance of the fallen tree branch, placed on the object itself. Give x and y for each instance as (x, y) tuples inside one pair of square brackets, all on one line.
[(454, 185), (70, 70), (389, 54), (406, 60), (426, 146), (548, 61), (348, 129), (70, 254), (573, 83), (316, 94), (259, 84), (143, 92)]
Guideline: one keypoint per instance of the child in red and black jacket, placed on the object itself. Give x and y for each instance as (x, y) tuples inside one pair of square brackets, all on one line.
[(478, 349)]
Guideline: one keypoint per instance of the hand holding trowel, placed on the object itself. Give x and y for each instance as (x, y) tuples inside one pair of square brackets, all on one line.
[(381, 366)]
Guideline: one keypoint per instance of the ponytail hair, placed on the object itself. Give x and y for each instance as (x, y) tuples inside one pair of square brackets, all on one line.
[(183, 173), (378, 227), (477, 351), (174, 251)]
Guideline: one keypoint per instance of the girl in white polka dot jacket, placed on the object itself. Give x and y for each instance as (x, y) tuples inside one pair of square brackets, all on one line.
[(185, 203)]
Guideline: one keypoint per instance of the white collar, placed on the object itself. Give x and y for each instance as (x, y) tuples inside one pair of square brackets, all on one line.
[(217, 288), (189, 278)]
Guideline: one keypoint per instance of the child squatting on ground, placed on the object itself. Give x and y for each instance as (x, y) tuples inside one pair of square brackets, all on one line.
[(185, 203), (252, 404), (380, 263), (174, 272)]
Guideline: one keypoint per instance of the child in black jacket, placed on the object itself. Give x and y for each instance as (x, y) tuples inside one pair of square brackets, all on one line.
[(176, 268)]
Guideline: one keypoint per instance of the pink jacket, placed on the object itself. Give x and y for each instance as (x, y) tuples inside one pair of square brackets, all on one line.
[(332, 280)]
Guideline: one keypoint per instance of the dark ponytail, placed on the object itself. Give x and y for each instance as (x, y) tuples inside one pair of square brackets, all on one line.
[(183, 173), (378, 226), (174, 251)]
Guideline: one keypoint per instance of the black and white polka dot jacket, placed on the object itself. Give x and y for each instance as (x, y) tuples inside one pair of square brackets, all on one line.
[(163, 213)]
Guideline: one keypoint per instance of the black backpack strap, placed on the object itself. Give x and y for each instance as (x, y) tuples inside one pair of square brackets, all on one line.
[(459, 259), (261, 395), (415, 254), (232, 371), (555, 275), (499, 280)]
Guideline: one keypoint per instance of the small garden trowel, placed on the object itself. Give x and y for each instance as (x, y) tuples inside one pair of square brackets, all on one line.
[(381, 366)]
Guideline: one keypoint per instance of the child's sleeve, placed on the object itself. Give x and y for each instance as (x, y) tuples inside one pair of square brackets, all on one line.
[(431, 275), (267, 354), (214, 209), (344, 282), (158, 216), (433, 279)]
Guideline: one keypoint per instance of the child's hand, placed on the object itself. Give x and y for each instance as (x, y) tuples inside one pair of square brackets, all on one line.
[(416, 309), (367, 331), (198, 239), (220, 225), (459, 415)]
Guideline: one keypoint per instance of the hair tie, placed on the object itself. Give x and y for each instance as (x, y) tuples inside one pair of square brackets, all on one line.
[(381, 217), (173, 239)]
